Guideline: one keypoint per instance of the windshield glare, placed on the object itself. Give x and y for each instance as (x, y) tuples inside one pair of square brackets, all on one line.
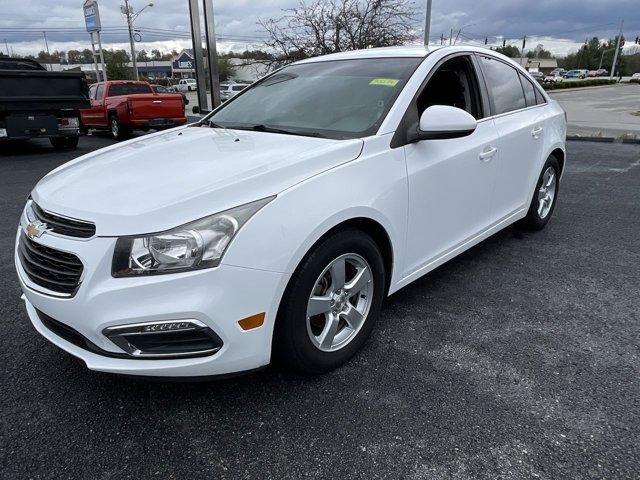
[(334, 99)]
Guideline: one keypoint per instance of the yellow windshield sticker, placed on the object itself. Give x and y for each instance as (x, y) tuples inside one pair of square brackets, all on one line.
[(387, 82)]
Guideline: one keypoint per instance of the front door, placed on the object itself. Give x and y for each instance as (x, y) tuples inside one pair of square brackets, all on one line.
[(450, 181)]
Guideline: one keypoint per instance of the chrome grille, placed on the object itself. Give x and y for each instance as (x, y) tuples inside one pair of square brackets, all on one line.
[(47, 267), (63, 225)]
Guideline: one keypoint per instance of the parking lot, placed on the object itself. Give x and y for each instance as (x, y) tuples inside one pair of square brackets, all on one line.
[(519, 359), (602, 111)]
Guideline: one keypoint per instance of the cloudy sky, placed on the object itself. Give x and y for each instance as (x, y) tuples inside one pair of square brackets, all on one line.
[(561, 25)]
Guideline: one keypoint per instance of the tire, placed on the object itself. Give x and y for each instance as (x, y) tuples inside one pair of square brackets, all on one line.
[(64, 143), (299, 340), (118, 131), (538, 216)]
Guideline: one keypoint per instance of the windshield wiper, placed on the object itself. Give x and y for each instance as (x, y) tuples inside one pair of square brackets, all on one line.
[(265, 128)]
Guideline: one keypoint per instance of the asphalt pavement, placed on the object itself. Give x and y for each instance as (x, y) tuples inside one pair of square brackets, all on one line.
[(611, 111), (519, 359)]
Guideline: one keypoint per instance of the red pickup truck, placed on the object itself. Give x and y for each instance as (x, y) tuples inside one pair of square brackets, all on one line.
[(121, 106)]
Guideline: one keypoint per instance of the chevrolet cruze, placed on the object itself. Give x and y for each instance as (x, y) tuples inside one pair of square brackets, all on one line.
[(274, 227)]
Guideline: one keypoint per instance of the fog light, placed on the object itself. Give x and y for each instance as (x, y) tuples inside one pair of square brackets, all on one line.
[(165, 339)]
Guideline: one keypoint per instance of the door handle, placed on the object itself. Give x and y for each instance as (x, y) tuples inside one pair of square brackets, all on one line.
[(488, 153), (536, 132)]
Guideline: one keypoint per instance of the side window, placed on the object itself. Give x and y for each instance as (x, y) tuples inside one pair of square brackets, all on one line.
[(540, 100), (504, 86), (100, 92), (455, 84), (92, 92), (529, 91)]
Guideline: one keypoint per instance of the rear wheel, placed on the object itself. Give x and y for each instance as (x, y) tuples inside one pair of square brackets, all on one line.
[(118, 131), (545, 196), (331, 303), (64, 143)]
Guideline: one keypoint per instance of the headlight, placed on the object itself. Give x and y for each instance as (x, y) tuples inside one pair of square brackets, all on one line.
[(193, 246)]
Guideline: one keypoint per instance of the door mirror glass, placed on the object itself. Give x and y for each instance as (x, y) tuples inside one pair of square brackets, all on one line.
[(440, 122)]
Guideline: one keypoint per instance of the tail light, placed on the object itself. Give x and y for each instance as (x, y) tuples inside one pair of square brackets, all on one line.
[(68, 123)]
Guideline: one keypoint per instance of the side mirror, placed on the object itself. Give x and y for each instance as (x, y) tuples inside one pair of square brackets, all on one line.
[(440, 122)]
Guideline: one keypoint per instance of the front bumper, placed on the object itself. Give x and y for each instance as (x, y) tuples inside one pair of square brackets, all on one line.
[(218, 297)]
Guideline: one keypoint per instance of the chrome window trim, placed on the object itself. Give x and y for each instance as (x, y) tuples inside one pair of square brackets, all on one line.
[(512, 112)]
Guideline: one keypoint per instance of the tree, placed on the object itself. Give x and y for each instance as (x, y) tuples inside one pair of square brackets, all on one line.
[(539, 52), (225, 69), (593, 54), (156, 54), (142, 56), (329, 26), (117, 65), (509, 50)]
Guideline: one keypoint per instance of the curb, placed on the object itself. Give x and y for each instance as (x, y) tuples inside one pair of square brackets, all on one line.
[(575, 89), (578, 138)]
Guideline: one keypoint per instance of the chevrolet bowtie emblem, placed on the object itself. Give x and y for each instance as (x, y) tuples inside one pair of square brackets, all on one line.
[(36, 229)]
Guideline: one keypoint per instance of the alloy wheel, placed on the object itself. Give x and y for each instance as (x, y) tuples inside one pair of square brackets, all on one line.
[(547, 192), (115, 129), (339, 303)]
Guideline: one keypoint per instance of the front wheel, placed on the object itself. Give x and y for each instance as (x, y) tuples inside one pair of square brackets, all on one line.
[(331, 304), (545, 196)]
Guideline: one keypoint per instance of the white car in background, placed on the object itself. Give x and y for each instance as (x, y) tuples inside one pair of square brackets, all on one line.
[(276, 226), (229, 90), (187, 85), (553, 78)]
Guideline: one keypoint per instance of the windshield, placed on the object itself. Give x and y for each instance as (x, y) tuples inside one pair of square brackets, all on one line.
[(333, 99)]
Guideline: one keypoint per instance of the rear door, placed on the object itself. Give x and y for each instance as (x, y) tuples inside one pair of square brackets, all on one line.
[(519, 121)]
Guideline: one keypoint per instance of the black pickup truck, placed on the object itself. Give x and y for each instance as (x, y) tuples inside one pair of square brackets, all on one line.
[(37, 103)]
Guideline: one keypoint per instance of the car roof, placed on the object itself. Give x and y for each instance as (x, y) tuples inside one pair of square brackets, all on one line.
[(411, 51)]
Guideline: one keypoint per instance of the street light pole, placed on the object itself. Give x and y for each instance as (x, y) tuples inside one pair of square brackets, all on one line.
[(615, 56), (46, 44), (127, 10), (427, 24)]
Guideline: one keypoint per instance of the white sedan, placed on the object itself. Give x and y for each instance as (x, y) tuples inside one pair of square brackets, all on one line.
[(275, 227)]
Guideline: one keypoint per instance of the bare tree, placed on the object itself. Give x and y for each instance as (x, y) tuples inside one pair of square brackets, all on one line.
[(329, 26)]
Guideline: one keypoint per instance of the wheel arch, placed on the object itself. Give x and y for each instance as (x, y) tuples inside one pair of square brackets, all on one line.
[(376, 231), (560, 156)]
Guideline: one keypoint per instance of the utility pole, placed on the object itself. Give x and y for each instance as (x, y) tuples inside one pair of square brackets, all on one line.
[(7, 45), (212, 53), (128, 12), (427, 23), (615, 56), (451, 37), (46, 44)]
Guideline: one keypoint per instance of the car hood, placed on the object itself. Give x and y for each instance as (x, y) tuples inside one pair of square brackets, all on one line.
[(164, 180)]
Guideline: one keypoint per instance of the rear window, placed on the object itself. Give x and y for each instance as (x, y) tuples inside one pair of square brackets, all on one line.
[(128, 89), (239, 88)]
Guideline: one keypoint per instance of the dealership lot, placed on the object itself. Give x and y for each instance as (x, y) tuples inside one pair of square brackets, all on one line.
[(518, 359)]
